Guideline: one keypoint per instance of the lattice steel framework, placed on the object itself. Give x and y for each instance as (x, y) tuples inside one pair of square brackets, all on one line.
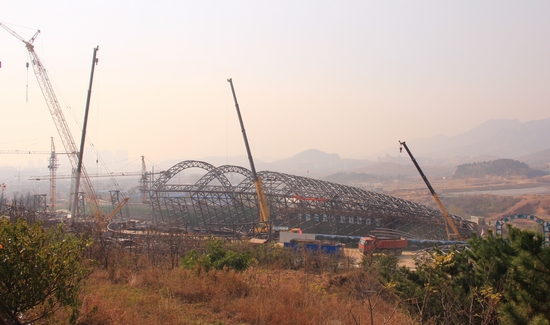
[(313, 205), (544, 224), (115, 201)]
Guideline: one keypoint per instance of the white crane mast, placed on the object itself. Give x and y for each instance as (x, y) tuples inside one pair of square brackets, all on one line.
[(52, 166), (59, 119), (53, 172)]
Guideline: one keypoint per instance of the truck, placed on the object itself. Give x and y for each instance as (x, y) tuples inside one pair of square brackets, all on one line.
[(374, 244)]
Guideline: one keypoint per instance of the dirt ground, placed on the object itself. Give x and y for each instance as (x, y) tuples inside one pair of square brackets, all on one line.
[(406, 259), (527, 190)]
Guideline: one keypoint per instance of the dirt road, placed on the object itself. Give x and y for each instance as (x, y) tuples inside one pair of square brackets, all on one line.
[(406, 259)]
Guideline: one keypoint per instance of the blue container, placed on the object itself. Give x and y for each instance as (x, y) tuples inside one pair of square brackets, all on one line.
[(315, 246)]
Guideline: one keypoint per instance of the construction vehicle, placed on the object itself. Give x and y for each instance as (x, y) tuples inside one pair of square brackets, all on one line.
[(455, 235), (113, 213), (264, 208), (80, 155), (374, 244), (62, 128)]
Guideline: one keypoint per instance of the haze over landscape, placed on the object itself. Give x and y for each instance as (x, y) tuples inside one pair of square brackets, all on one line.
[(346, 78), (317, 236)]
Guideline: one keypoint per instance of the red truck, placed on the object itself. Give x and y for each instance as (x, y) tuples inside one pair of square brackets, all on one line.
[(373, 244)]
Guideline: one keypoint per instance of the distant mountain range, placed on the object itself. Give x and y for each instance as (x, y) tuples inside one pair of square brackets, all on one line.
[(315, 162), (500, 138), (438, 156), (493, 139)]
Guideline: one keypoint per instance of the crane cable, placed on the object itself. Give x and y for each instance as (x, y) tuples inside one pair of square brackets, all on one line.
[(27, 86)]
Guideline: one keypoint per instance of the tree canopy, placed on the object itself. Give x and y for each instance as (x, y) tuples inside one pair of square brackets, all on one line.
[(495, 281), (499, 167), (41, 270)]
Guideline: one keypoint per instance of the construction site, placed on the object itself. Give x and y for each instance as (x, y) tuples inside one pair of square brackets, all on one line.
[(226, 200)]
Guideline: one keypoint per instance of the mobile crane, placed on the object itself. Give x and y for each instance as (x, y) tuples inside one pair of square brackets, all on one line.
[(105, 221), (264, 208), (60, 123), (455, 235)]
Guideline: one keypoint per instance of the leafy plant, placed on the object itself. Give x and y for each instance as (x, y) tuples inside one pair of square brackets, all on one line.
[(217, 257), (40, 270), (496, 281)]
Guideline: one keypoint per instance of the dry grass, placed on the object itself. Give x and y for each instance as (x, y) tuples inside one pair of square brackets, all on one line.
[(260, 296)]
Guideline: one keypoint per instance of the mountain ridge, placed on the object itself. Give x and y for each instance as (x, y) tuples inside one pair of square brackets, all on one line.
[(491, 140), (497, 137)]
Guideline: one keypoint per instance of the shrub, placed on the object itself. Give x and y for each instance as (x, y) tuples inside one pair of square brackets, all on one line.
[(217, 257), (40, 270)]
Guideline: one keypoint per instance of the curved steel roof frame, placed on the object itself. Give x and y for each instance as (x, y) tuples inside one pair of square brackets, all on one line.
[(294, 201)]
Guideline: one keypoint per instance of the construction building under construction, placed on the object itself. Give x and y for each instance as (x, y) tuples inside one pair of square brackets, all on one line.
[(225, 198), (232, 198)]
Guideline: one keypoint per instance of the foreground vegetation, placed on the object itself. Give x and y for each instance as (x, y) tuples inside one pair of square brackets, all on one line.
[(41, 271), (494, 281), (49, 276), (237, 283), (257, 296)]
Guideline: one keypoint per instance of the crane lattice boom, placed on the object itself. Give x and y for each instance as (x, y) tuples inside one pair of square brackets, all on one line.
[(59, 119)]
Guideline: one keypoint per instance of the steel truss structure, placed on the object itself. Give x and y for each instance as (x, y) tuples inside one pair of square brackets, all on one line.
[(225, 198)]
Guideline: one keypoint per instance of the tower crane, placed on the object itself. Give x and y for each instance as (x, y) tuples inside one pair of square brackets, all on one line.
[(143, 181), (448, 220), (264, 208), (59, 121), (52, 166), (67, 176)]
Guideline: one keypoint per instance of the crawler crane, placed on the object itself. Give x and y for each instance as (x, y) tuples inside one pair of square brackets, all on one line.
[(455, 235)]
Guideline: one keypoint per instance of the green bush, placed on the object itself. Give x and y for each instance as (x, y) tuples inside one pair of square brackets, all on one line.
[(495, 281), (190, 260), (40, 270), (217, 257), (233, 261)]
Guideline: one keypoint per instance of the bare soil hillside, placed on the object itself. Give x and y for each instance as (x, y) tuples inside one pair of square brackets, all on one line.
[(491, 198)]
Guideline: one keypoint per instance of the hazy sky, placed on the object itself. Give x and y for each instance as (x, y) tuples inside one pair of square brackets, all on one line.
[(346, 77)]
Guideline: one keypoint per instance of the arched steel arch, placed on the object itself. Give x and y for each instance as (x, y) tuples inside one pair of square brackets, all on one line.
[(294, 201), (544, 224), (166, 198)]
